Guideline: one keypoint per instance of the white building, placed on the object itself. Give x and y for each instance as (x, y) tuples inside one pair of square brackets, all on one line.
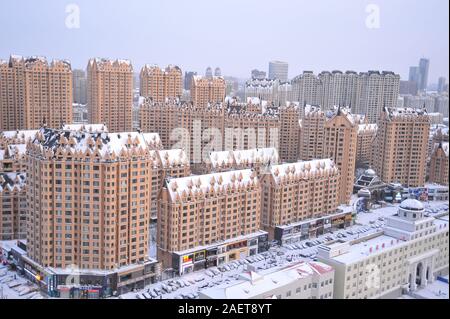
[(408, 254), (312, 280), (278, 70)]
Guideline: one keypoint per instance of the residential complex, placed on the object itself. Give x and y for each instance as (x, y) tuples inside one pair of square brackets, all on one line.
[(34, 92), (161, 84), (365, 93), (110, 93), (400, 146)]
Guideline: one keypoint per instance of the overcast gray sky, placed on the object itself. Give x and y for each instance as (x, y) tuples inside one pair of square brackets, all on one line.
[(237, 35)]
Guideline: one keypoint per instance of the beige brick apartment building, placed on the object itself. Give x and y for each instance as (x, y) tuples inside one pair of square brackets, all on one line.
[(331, 136), (199, 213), (207, 90), (110, 93), (439, 164), (400, 147), (161, 84), (88, 199), (298, 191), (13, 205), (34, 92)]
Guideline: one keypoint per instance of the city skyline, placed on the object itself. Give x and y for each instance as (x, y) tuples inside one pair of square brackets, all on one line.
[(143, 30)]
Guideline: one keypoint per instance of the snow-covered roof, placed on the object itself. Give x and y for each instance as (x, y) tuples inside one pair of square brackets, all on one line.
[(251, 284), (180, 187), (443, 145), (264, 156), (412, 204), (362, 128), (91, 128), (106, 144), (173, 157), (23, 134), (12, 181), (304, 169), (153, 140)]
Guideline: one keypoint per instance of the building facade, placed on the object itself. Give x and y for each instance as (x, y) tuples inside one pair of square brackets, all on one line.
[(200, 212), (331, 135), (207, 90), (88, 191), (439, 164), (400, 146), (34, 92), (110, 93), (278, 70), (13, 206), (161, 84), (298, 191)]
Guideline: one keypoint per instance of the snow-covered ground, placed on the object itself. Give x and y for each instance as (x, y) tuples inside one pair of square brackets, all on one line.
[(188, 285), (12, 286)]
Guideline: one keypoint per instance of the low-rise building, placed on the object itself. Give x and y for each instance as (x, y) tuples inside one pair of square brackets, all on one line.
[(409, 253), (301, 280)]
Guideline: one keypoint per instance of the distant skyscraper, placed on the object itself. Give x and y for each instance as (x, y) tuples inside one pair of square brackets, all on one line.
[(424, 65), (278, 70), (257, 74), (441, 84), (188, 79), (414, 74), (217, 72), (208, 72), (79, 86)]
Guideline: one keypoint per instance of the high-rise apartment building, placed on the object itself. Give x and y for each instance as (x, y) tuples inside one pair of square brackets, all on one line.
[(110, 93), (365, 93), (364, 145), (79, 86), (289, 131), (298, 191), (278, 70), (34, 92), (160, 84), (332, 135), (378, 90), (204, 211), (439, 164), (400, 146), (88, 202), (207, 90)]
